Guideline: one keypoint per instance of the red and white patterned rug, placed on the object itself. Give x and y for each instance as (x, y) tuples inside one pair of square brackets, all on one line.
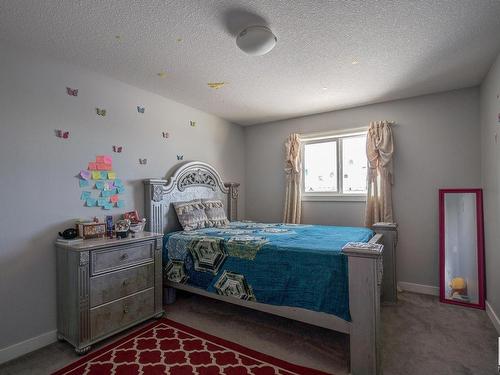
[(167, 347)]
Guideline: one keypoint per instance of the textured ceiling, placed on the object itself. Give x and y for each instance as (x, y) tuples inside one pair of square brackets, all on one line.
[(404, 48)]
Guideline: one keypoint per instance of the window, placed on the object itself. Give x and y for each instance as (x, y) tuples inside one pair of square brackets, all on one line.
[(335, 166)]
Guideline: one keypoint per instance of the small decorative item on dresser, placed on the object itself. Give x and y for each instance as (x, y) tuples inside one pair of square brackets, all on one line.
[(136, 223), (138, 227), (69, 234), (109, 226), (91, 230), (121, 228), (133, 216)]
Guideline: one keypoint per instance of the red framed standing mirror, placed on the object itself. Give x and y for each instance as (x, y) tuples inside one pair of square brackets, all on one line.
[(461, 247)]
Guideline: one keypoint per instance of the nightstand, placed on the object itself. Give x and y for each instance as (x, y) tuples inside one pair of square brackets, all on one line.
[(105, 286)]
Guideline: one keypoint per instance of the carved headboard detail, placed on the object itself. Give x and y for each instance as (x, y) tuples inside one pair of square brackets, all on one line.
[(189, 181)]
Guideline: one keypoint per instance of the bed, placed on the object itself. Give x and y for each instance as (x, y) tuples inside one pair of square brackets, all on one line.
[(332, 277)]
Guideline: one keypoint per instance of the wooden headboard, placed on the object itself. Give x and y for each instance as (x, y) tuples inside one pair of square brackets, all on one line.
[(191, 180)]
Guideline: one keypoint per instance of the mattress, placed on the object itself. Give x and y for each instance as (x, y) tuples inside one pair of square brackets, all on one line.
[(277, 264)]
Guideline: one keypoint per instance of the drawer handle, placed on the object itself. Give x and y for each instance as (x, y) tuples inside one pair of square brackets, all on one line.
[(125, 309), (125, 283), (124, 256)]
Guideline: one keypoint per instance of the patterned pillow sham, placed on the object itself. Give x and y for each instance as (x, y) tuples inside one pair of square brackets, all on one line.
[(191, 214), (216, 215)]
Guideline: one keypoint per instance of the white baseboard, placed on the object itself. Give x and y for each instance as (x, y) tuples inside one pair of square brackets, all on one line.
[(418, 288), (493, 317), (27, 346)]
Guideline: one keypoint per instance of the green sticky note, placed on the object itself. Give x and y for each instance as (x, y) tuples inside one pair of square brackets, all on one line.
[(99, 185), (120, 203), (106, 193), (102, 202), (120, 190), (107, 206), (118, 183), (83, 183), (85, 195), (91, 202)]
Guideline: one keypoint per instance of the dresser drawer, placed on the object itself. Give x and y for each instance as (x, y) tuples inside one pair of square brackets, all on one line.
[(117, 284), (117, 314), (123, 256)]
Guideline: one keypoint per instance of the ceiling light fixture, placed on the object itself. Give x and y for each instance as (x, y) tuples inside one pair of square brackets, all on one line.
[(355, 62), (256, 40)]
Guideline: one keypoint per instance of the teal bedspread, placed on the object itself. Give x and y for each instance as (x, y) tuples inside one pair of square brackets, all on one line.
[(277, 264)]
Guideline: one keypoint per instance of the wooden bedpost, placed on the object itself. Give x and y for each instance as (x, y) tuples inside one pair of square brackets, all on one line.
[(153, 207), (232, 200), (365, 278), (389, 240)]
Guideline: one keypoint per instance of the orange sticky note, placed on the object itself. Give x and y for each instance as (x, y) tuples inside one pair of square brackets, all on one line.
[(92, 167), (107, 167), (114, 198), (99, 159)]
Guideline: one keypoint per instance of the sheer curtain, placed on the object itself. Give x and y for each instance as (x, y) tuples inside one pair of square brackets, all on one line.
[(379, 150), (293, 172)]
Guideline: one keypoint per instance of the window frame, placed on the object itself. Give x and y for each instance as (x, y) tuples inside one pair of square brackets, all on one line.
[(326, 137)]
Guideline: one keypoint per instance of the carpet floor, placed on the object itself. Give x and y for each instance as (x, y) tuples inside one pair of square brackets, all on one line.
[(421, 336)]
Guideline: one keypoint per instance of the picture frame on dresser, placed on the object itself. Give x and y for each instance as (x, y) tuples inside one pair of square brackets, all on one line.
[(105, 286)]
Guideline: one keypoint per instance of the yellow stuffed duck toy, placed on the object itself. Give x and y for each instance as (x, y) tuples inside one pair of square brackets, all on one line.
[(458, 287)]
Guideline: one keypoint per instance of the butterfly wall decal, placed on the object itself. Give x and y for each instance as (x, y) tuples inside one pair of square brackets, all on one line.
[(143, 161), (192, 123), (62, 134), (100, 112), (71, 92), (165, 134), (117, 149), (216, 85), (140, 109), (180, 157)]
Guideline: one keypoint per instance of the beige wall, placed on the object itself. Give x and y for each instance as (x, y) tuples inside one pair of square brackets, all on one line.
[(39, 194), (437, 145), (490, 160)]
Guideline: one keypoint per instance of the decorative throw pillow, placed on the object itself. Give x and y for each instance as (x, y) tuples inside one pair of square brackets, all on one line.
[(216, 215), (191, 214)]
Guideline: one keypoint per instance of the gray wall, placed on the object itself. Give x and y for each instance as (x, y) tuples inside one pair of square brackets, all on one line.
[(490, 158), (39, 194), (437, 142)]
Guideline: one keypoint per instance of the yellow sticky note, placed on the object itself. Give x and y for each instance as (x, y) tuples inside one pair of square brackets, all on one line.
[(96, 175), (111, 175)]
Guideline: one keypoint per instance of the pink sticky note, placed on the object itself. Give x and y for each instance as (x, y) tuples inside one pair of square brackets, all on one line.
[(107, 159), (92, 167), (85, 174), (107, 167), (114, 198), (99, 159), (101, 166)]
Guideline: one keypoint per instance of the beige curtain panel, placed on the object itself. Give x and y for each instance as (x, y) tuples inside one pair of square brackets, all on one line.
[(379, 151), (293, 171)]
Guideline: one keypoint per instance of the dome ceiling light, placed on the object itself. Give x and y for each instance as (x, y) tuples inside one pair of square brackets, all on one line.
[(256, 40)]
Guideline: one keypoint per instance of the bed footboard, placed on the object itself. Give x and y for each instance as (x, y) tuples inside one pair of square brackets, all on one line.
[(365, 279), (389, 232)]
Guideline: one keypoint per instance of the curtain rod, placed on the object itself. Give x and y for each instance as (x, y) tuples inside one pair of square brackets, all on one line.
[(327, 133)]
